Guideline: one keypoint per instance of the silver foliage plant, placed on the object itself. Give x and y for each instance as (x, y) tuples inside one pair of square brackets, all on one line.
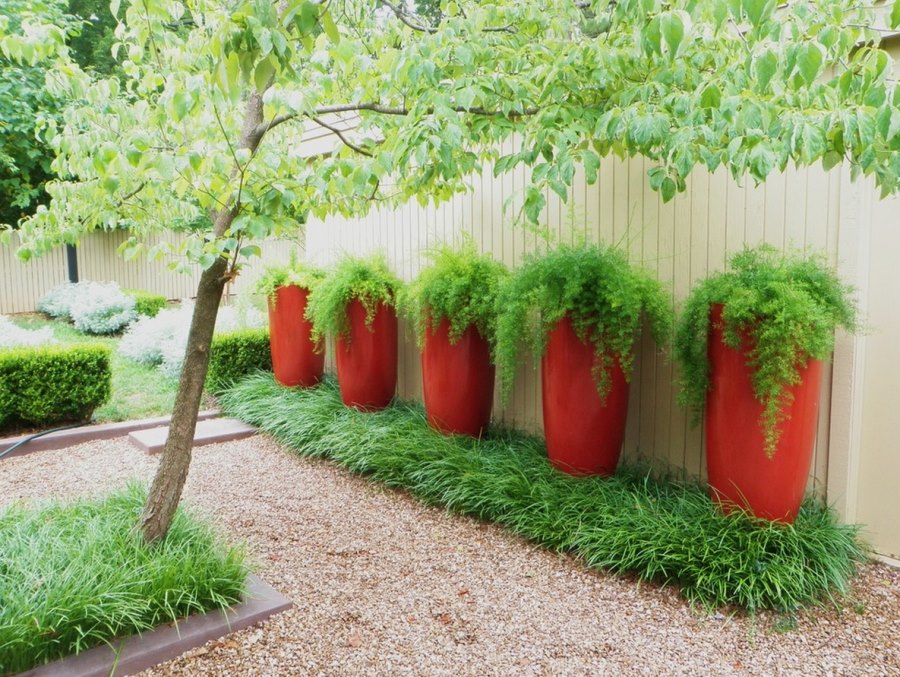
[(161, 341), (13, 336)]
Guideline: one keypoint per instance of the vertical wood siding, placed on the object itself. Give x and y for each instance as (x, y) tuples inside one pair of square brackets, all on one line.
[(680, 242), (23, 284)]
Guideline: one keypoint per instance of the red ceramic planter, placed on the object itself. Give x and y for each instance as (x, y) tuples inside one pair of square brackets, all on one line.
[(739, 471), (584, 434), (458, 381), (294, 357), (367, 359)]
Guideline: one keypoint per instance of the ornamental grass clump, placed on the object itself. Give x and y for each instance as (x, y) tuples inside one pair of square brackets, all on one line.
[(665, 531), (77, 574), (367, 280), (460, 285), (785, 304), (603, 295)]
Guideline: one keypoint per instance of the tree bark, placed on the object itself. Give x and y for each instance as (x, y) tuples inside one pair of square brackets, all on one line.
[(165, 492)]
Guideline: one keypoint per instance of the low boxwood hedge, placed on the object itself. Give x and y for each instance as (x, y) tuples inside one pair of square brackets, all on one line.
[(236, 354), (145, 302), (43, 385)]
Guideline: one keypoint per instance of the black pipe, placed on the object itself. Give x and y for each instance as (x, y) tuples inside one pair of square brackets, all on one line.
[(36, 435), (72, 262)]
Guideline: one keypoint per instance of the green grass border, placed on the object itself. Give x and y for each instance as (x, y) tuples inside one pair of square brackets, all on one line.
[(664, 531)]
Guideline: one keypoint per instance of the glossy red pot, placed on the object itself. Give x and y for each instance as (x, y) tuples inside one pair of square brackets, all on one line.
[(458, 381), (294, 357), (584, 434), (740, 473), (367, 358)]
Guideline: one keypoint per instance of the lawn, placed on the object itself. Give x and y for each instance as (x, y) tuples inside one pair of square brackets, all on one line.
[(138, 391)]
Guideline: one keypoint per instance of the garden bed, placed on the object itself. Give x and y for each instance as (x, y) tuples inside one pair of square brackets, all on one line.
[(76, 575), (661, 531), (384, 584)]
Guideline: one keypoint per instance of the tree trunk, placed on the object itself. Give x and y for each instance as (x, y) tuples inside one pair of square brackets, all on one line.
[(176, 457), (165, 493)]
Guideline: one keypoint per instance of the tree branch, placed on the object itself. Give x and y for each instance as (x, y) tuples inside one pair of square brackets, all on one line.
[(387, 110), (337, 132)]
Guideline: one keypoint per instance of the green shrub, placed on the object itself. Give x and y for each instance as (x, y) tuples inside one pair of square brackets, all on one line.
[(50, 384), (665, 531), (235, 355), (146, 303), (76, 575)]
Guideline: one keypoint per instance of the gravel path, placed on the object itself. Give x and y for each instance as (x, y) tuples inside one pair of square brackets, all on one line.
[(384, 585)]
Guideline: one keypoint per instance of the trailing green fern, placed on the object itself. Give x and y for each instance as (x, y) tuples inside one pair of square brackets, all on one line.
[(787, 303), (603, 295), (369, 281), (294, 272), (460, 285)]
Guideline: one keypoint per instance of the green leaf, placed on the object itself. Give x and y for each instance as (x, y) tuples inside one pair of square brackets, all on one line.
[(895, 14), (711, 96), (329, 27), (263, 74), (763, 69), (534, 203), (667, 189), (182, 103), (757, 10), (591, 162), (809, 61), (672, 29)]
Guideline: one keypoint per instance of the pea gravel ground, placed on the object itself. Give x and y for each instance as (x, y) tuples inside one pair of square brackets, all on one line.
[(385, 586)]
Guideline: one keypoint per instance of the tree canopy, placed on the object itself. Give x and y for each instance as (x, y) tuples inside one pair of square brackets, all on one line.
[(737, 83)]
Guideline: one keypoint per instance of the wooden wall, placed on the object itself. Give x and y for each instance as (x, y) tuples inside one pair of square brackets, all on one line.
[(23, 284), (680, 242)]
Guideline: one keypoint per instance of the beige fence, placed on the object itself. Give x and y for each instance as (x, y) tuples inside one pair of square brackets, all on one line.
[(680, 242), (23, 284)]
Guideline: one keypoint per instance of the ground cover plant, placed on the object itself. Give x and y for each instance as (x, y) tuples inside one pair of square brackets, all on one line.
[(75, 575), (662, 531), (93, 307), (160, 341)]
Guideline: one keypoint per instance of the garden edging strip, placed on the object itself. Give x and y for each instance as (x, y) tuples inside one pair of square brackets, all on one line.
[(139, 652), (102, 431)]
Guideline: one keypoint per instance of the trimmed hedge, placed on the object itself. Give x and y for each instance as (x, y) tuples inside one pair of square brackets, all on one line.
[(145, 302), (50, 384), (235, 355)]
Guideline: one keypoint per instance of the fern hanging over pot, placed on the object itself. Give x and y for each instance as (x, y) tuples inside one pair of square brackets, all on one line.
[(787, 306), (368, 280), (295, 273), (603, 295), (460, 285)]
